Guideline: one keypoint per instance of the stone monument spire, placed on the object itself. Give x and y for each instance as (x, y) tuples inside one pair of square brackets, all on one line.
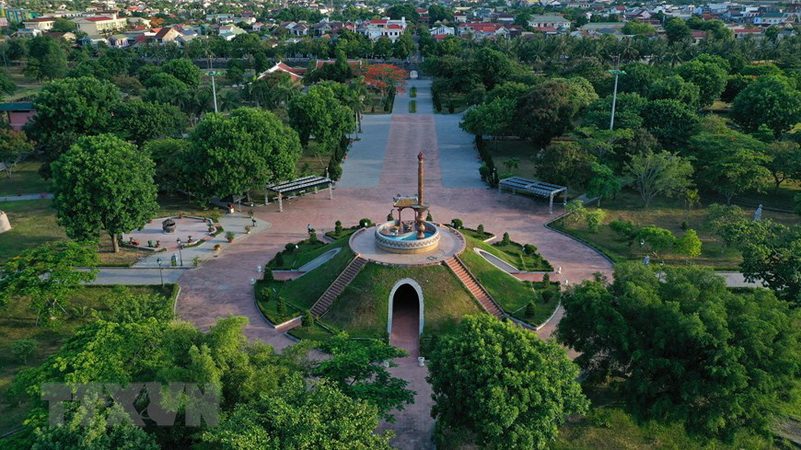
[(421, 226)]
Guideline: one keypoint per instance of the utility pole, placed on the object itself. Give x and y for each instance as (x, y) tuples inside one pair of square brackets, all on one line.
[(213, 73), (616, 72)]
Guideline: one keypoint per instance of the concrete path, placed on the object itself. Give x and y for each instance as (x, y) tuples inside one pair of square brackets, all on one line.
[(137, 277), (24, 197), (737, 280)]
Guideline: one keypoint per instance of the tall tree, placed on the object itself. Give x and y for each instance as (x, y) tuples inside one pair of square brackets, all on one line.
[(184, 70), (771, 101), (139, 121), (103, 183), (785, 162), (68, 109), (13, 144), (710, 78), (729, 162), (47, 275), (47, 60), (245, 150), (7, 86), (670, 121), (503, 384), (661, 173), (683, 347)]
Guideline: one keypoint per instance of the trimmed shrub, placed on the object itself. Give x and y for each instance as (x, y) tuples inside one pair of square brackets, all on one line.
[(457, 223), (505, 240), (365, 222)]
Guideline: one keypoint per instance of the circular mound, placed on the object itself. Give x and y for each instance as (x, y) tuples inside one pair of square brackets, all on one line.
[(388, 237), (450, 243)]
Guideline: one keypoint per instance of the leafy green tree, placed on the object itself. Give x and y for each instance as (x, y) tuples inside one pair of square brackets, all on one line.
[(167, 89), (170, 156), (47, 60), (710, 78), (93, 425), (63, 25), (103, 183), (603, 182), (634, 28), (7, 86), (656, 239), (439, 13), (657, 174), (492, 67), (13, 144), (503, 384), (670, 121), (771, 101), (785, 162), (245, 150), (770, 254), (382, 48), (677, 31), (301, 418), (638, 79), (356, 369), (548, 109), (689, 244), (126, 306), (729, 162), (273, 91), (566, 163), (184, 70), (674, 87), (68, 109), (47, 275), (23, 349), (403, 46), (139, 121), (627, 111), (683, 347), (493, 118), (403, 10), (320, 114)]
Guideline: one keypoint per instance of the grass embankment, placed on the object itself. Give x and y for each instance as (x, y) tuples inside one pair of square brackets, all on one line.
[(665, 213), (512, 253), (512, 294), (19, 322), (362, 309), (301, 293)]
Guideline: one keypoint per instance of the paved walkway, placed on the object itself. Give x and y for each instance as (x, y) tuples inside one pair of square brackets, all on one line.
[(25, 197), (139, 277)]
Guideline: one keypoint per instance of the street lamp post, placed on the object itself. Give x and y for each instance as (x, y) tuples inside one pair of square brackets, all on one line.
[(616, 73), (214, 89), (180, 254), (161, 271)]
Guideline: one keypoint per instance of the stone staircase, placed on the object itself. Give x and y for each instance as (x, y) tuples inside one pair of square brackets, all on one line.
[(353, 268), (476, 289)]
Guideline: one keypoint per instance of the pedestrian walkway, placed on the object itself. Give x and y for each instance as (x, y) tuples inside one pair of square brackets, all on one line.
[(135, 277), (26, 197)]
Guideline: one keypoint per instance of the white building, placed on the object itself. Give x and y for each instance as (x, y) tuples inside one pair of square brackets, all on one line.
[(386, 27)]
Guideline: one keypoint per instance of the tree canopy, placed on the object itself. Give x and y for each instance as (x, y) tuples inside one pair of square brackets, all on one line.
[(502, 384), (684, 347), (103, 183)]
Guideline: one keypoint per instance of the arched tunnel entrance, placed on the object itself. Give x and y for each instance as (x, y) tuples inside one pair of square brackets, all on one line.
[(405, 322)]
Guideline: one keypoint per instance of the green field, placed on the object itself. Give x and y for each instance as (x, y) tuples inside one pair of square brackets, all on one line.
[(19, 322), (362, 309), (33, 223), (24, 179), (664, 213)]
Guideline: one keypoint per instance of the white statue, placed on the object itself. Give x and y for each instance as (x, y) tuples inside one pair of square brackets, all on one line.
[(758, 213)]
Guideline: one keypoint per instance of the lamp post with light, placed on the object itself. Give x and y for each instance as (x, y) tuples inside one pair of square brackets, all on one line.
[(180, 254), (161, 271)]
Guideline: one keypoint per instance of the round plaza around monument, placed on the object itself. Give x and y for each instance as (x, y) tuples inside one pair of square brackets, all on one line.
[(451, 243)]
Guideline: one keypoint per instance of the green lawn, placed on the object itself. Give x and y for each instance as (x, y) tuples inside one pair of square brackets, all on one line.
[(24, 180), (301, 293), (362, 309), (18, 322), (665, 213), (307, 250), (33, 223), (512, 294)]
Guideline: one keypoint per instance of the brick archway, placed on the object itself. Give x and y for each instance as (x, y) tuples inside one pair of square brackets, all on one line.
[(391, 303)]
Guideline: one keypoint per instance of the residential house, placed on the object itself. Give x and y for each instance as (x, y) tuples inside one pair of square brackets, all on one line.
[(99, 25), (482, 30), (167, 35), (39, 23), (386, 27), (294, 73), (229, 32), (549, 21), (443, 30), (771, 18)]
